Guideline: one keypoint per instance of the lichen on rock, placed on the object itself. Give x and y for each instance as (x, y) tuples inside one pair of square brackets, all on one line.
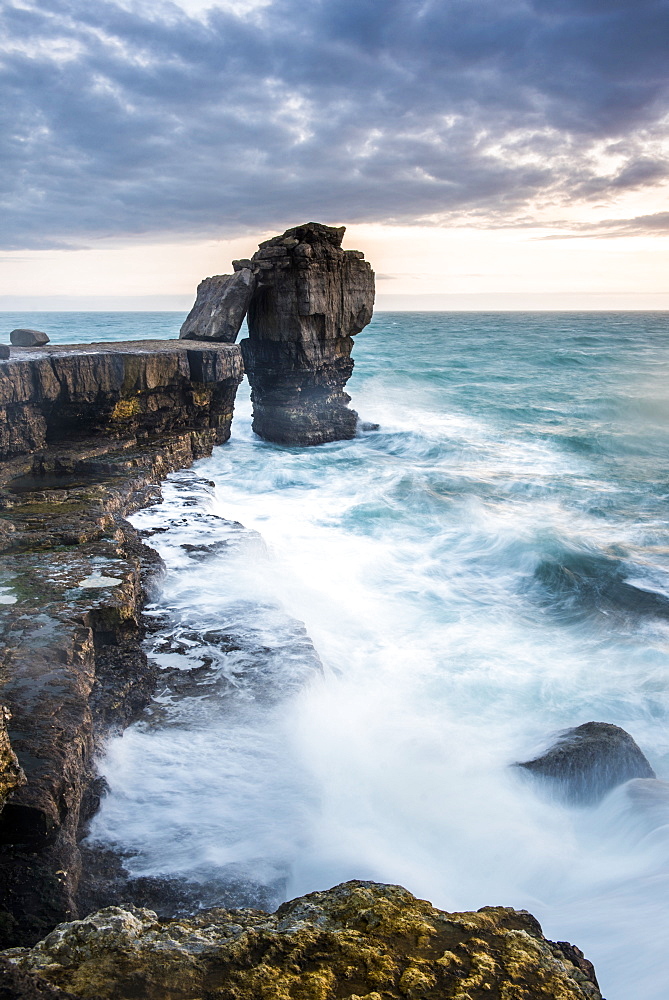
[(357, 941), (11, 774)]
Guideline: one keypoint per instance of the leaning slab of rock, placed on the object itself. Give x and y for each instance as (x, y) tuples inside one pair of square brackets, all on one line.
[(359, 941), (28, 338), (589, 761), (311, 298), (220, 307)]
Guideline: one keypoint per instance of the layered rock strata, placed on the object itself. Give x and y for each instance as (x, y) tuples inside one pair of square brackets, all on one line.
[(358, 941), (311, 298), (86, 432), (306, 299)]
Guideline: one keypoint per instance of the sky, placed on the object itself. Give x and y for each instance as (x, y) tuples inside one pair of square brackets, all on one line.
[(483, 153)]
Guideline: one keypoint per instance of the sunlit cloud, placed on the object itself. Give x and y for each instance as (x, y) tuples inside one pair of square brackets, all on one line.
[(196, 120)]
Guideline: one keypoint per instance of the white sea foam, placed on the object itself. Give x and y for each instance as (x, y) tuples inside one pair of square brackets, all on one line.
[(466, 603)]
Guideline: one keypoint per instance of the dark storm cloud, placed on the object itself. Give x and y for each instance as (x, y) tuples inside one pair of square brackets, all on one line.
[(121, 120)]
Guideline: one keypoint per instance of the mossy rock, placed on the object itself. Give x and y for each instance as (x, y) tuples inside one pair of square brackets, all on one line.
[(358, 941)]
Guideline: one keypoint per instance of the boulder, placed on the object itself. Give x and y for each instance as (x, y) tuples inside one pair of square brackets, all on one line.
[(220, 307), (311, 298), (5, 353), (587, 762), (28, 338), (359, 940)]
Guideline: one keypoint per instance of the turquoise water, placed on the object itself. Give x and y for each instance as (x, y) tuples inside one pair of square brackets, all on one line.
[(490, 566), (87, 327)]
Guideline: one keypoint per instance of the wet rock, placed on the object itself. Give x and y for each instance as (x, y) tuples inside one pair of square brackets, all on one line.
[(89, 431), (5, 352), (220, 306), (589, 761), (28, 338), (109, 883), (311, 298), (357, 940), (11, 774)]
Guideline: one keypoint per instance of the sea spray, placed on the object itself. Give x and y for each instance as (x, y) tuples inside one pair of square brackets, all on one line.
[(472, 577)]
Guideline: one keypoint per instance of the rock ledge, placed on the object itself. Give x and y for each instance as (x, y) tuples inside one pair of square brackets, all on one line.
[(357, 941)]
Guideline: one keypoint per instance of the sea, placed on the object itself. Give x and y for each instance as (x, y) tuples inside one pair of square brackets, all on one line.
[(358, 642)]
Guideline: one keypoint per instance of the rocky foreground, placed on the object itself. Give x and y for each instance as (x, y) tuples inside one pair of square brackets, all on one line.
[(358, 941)]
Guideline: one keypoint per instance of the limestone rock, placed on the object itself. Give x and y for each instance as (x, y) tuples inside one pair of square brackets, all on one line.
[(28, 338), (132, 389), (15, 984), (311, 298), (86, 432), (358, 941), (11, 774), (589, 761), (220, 306)]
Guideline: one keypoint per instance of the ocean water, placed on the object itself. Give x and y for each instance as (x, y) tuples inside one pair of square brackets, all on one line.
[(488, 568)]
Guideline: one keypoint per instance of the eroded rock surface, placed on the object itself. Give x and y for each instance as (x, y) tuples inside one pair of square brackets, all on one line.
[(11, 774), (358, 941), (589, 761), (220, 307), (311, 298), (89, 431)]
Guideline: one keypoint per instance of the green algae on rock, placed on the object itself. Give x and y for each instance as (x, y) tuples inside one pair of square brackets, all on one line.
[(357, 941)]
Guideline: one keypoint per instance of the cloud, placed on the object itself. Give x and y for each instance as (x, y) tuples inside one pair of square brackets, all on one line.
[(656, 224), (141, 119)]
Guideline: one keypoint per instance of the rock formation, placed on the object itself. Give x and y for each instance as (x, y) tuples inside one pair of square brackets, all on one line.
[(220, 307), (358, 941), (28, 338), (306, 299), (588, 761), (86, 431), (11, 774), (311, 298)]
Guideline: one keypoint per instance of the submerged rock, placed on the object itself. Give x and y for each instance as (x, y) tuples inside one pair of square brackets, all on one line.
[(16, 984), (588, 761), (311, 298), (220, 307), (28, 338), (359, 940)]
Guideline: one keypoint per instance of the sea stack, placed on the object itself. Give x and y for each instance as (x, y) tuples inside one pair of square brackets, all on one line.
[(311, 298)]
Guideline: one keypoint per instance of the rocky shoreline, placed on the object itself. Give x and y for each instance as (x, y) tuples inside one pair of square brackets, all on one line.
[(89, 431)]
